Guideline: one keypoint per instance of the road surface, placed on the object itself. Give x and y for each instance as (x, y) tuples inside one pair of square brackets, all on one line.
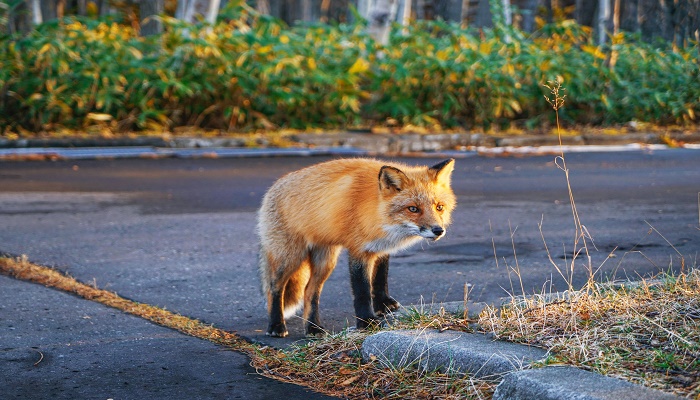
[(180, 233)]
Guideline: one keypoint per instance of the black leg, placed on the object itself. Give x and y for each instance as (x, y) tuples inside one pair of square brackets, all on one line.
[(313, 323), (381, 300), (361, 291), (277, 327)]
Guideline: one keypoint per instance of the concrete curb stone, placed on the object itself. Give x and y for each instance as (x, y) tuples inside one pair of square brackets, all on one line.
[(570, 383), (482, 357), (486, 358), (450, 352)]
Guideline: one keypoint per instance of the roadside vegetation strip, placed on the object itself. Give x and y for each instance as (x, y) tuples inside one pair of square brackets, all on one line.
[(648, 334), (22, 269), (331, 366), (250, 72)]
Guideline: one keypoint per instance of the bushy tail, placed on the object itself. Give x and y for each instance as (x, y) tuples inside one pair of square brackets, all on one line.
[(294, 291)]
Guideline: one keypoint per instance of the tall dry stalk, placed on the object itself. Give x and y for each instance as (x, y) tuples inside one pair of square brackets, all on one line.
[(581, 234)]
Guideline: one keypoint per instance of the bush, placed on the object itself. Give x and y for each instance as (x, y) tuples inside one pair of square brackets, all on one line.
[(253, 72)]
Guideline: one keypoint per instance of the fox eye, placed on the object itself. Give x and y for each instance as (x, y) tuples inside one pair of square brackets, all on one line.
[(439, 207), (413, 209)]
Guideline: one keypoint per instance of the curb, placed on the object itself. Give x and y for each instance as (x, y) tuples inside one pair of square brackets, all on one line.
[(85, 153), (449, 352), (341, 143), (483, 357), (570, 383)]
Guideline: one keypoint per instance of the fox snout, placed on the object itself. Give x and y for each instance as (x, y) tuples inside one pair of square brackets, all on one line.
[(433, 232)]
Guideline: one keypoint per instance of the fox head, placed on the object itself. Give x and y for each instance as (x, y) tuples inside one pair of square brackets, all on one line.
[(419, 200)]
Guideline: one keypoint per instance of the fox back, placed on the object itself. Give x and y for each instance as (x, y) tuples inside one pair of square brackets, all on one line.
[(360, 204)]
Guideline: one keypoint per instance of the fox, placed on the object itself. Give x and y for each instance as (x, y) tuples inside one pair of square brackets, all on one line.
[(371, 208)]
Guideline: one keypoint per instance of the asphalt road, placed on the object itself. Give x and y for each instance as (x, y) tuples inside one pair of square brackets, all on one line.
[(180, 233)]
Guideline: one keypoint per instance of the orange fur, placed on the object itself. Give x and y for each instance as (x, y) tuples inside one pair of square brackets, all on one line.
[(363, 205)]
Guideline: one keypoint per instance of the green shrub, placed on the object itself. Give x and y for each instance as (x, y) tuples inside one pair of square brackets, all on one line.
[(253, 72)]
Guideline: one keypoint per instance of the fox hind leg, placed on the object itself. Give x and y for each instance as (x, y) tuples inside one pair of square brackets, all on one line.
[(381, 301), (285, 288), (322, 261)]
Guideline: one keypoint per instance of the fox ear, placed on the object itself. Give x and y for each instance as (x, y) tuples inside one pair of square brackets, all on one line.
[(391, 178), (443, 171)]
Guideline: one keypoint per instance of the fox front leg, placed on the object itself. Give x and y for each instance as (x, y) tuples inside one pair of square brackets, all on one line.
[(360, 282), (381, 300)]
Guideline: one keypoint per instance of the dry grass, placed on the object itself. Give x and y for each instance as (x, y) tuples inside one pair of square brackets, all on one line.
[(332, 365), (648, 334)]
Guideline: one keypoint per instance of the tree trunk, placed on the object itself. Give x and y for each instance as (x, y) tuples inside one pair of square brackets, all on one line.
[(306, 10), (529, 11), (585, 12), (603, 18), (507, 13), (148, 11), (483, 15), (82, 7), (194, 10), (37, 17), (380, 17), (550, 12), (212, 11), (629, 20), (49, 10), (465, 13), (181, 9), (363, 7), (263, 7), (406, 14)]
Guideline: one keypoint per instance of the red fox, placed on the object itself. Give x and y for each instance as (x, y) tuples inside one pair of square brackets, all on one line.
[(371, 208)]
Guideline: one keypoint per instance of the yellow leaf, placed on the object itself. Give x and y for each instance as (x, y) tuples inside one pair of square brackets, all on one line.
[(594, 51), (508, 69), (515, 106), (264, 49), (360, 66), (284, 39), (45, 48), (99, 117), (484, 48), (311, 63), (137, 54)]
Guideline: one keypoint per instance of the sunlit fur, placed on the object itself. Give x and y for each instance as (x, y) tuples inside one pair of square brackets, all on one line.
[(307, 216)]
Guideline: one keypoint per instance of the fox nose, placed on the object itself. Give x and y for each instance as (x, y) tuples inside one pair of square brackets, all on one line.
[(438, 231)]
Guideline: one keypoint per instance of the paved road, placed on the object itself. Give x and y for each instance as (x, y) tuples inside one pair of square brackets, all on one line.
[(181, 233)]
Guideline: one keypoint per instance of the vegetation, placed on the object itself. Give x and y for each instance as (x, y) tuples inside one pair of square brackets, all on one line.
[(252, 72), (648, 334)]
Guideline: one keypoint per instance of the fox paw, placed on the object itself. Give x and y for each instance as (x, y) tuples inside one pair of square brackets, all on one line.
[(368, 322), (386, 305), (277, 330), (314, 330)]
